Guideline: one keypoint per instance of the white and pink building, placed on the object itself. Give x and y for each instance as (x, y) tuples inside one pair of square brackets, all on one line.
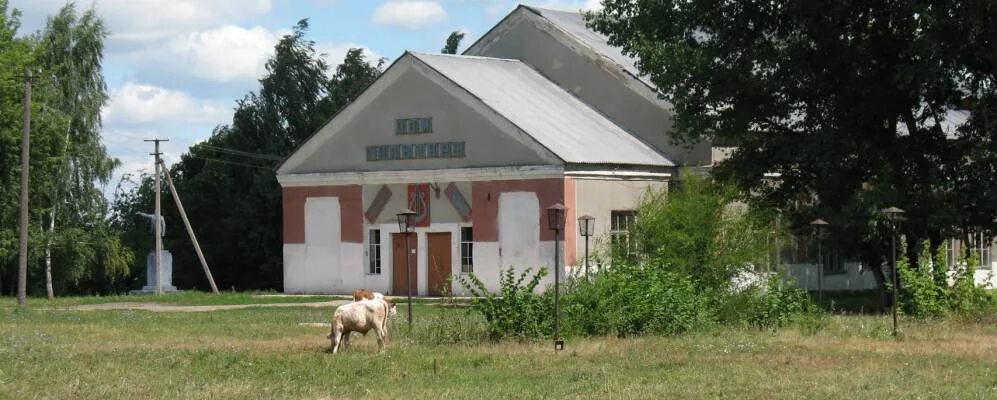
[(538, 111)]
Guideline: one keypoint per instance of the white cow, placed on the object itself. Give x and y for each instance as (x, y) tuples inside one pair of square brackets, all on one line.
[(361, 316)]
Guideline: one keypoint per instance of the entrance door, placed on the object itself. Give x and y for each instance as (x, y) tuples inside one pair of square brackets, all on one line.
[(439, 263), (398, 276)]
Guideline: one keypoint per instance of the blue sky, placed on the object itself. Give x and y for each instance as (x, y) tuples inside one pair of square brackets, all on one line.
[(175, 67)]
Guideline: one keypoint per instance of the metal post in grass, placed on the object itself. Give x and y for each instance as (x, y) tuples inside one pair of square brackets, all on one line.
[(894, 215), (405, 225), (819, 226), (586, 225), (555, 221)]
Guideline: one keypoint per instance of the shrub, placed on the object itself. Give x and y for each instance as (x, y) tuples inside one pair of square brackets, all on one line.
[(921, 294), (700, 229), (628, 300), (925, 291), (515, 310)]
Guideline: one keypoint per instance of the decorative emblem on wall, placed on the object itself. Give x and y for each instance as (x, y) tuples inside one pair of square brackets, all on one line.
[(418, 201), (458, 201), (377, 205)]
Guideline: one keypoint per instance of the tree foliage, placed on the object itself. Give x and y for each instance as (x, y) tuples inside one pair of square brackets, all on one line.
[(228, 184), (855, 105), (69, 163), (453, 42)]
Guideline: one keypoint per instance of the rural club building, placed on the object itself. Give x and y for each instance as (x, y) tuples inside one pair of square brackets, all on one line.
[(539, 111)]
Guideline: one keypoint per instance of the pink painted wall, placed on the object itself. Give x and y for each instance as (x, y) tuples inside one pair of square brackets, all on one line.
[(351, 211)]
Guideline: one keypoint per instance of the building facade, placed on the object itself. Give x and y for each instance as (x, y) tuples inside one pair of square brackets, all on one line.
[(479, 145)]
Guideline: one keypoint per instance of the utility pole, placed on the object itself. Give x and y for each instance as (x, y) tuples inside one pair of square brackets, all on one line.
[(190, 230), (157, 221), (22, 262)]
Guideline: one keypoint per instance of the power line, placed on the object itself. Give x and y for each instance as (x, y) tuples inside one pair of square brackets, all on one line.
[(232, 162), (242, 153)]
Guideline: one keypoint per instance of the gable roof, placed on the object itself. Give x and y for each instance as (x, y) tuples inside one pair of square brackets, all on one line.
[(573, 22), (553, 117)]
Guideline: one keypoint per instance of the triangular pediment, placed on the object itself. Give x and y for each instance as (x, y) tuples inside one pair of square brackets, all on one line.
[(414, 118)]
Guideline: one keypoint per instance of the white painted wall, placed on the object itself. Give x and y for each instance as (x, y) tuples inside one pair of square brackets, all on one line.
[(519, 229), (598, 198), (316, 266)]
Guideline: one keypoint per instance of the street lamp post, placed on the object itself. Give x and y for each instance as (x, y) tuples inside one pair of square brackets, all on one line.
[(405, 225), (586, 226), (894, 215), (819, 226), (555, 221)]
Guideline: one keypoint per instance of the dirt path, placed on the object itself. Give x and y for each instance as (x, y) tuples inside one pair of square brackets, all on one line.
[(158, 307)]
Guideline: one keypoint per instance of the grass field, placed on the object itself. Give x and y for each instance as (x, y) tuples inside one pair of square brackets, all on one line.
[(265, 353)]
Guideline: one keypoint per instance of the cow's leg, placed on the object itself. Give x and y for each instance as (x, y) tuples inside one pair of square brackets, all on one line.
[(381, 334), (346, 339), (337, 334)]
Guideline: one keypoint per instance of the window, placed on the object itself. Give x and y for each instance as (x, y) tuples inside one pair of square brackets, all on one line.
[(466, 249), (620, 223), (374, 252), (404, 126)]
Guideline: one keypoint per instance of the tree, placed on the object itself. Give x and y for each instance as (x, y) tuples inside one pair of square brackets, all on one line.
[(855, 105), (453, 42), (227, 183), (68, 159)]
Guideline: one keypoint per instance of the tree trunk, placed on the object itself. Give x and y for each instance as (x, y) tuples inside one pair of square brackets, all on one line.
[(48, 255)]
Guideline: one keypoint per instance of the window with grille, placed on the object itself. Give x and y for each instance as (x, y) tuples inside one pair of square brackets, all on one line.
[(466, 249), (620, 222), (374, 251), (404, 126)]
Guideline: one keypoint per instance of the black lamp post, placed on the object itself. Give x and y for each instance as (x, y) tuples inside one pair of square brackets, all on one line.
[(405, 225), (819, 226), (555, 221), (894, 215), (586, 226)]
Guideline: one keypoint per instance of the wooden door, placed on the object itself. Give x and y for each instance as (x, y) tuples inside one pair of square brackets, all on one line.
[(439, 263), (398, 276)]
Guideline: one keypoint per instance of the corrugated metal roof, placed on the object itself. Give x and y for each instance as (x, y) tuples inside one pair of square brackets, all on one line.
[(574, 23), (545, 111)]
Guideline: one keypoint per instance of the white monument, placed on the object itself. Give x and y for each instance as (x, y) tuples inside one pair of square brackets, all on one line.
[(166, 269)]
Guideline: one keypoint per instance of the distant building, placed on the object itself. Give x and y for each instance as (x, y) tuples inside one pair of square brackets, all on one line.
[(538, 111)]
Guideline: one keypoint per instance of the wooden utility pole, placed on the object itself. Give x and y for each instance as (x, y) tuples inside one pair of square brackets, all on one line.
[(157, 221), (22, 262), (186, 223)]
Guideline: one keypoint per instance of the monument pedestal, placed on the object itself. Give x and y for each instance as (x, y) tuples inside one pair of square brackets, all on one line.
[(165, 274)]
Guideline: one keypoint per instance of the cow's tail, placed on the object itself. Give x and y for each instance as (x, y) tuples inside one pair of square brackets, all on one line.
[(336, 319)]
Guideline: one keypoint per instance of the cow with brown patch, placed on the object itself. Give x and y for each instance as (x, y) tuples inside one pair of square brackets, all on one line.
[(361, 316)]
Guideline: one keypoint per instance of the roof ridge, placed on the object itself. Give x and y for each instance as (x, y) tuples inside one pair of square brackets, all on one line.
[(421, 53)]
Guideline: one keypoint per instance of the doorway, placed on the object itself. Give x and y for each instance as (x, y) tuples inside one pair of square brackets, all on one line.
[(398, 276), (439, 263)]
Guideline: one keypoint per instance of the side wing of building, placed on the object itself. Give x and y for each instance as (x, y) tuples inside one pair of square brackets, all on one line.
[(560, 47)]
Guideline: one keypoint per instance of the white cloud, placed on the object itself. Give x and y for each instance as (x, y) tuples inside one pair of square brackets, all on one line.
[(146, 20), (224, 54), (135, 103), (409, 14), (572, 5), (336, 52)]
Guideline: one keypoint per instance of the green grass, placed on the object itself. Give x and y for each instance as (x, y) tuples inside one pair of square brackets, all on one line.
[(265, 353)]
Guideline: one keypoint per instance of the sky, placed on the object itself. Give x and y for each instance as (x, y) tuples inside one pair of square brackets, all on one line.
[(175, 68)]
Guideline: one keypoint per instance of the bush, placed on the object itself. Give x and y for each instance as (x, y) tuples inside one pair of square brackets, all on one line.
[(922, 295), (627, 300), (926, 293), (772, 306), (516, 310), (700, 229)]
